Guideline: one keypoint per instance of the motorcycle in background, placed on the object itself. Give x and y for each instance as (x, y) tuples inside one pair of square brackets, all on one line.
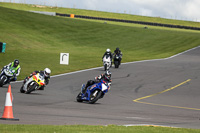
[(117, 59), (5, 75), (93, 92), (33, 83), (106, 62)]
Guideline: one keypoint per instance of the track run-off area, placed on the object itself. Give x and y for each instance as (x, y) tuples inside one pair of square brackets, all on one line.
[(162, 92)]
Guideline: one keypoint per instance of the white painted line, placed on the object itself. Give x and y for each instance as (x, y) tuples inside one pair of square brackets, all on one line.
[(153, 125), (163, 58), (122, 63), (75, 72), (183, 52), (128, 125), (127, 63)]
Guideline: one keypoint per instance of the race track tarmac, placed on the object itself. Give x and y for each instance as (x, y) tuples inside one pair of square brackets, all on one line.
[(162, 92)]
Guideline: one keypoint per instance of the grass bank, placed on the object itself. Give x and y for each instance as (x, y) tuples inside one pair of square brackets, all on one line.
[(91, 129), (37, 41), (99, 14)]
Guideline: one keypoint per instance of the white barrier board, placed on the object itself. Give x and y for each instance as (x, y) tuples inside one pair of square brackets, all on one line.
[(64, 58)]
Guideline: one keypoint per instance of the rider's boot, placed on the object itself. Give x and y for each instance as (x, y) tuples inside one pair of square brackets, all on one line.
[(8, 81), (41, 88), (25, 80), (84, 90)]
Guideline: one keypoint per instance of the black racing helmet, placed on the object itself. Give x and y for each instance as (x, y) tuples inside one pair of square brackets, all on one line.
[(108, 75), (16, 63)]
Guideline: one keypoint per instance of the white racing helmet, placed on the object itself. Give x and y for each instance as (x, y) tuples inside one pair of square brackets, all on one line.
[(108, 50), (47, 72)]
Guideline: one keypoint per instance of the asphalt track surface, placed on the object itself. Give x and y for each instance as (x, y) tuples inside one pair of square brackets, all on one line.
[(161, 92)]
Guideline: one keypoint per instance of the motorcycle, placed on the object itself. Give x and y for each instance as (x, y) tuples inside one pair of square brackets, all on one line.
[(5, 75), (33, 83), (117, 58), (93, 92), (106, 62)]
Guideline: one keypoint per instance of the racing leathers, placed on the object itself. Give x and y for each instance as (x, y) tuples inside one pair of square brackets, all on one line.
[(97, 80), (108, 53), (36, 72), (12, 67), (118, 52)]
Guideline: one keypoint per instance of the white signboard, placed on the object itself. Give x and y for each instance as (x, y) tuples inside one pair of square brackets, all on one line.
[(64, 58)]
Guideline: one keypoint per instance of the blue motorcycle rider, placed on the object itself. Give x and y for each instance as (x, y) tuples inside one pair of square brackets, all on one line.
[(13, 66), (105, 77)]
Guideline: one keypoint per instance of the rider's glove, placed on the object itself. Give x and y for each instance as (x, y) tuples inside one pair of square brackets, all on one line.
[(33, 73), (99, 77)]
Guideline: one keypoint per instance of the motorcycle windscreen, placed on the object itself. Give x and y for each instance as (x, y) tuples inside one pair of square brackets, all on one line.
[(104, 87)]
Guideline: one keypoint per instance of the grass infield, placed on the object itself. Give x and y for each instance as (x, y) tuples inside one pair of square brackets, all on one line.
[(91, 129)]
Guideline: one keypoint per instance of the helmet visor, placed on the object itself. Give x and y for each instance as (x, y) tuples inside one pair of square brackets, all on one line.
[(16, 64), (47, 74)]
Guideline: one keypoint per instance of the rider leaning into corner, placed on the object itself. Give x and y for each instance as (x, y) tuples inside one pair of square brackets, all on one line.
[(46, 73), (105, 77), (13, 66)]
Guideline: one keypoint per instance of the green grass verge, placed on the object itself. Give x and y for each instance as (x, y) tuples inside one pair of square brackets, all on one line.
[(37, 41), (100, 14), (90, 129)]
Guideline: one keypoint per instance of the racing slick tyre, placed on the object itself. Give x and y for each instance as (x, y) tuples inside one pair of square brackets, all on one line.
[(2, 81), (105, 67), (21, 89), (95, 96), (30, 88), (116, 64), (78, 98)]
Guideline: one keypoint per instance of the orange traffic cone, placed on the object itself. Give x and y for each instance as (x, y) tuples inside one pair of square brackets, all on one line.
[(8, 111)]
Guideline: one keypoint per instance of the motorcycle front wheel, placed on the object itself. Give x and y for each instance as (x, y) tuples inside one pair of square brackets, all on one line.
[(31, 88), (21, 90), (95, 96), (78, 98), (105, 67), (2, 81), (116, 64)]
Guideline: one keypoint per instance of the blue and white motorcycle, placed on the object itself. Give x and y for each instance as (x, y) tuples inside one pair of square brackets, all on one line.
[(93, 92), (5, 75)]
